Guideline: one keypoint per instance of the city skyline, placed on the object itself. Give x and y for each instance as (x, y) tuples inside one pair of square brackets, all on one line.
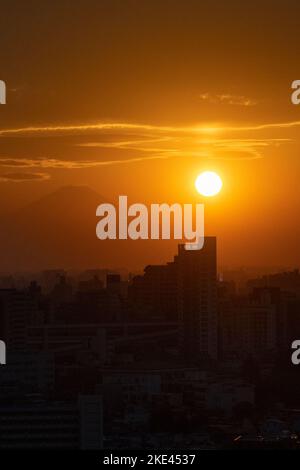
[(163, 359), (149, 228)]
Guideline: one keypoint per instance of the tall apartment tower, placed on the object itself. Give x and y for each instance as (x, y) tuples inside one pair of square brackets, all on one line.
[(17, 311), (197, 301)]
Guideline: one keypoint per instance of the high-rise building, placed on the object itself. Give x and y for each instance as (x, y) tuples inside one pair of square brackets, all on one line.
[(185, 291), (17, 311), (53, 425), (197, 300), (155, 293), (251, 325)]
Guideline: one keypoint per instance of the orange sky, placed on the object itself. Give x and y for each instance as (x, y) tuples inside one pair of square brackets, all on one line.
[(138, 98)]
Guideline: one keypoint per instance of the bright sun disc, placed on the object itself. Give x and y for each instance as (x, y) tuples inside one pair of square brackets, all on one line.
[(208, 183)]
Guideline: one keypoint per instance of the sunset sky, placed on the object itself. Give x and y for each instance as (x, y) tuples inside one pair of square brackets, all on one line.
[(138, 97)]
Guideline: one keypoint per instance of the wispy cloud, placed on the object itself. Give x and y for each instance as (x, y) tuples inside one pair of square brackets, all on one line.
[(52, 163), (100, 126), (139, 142), (227, 98), (22, 177), (127, 128)]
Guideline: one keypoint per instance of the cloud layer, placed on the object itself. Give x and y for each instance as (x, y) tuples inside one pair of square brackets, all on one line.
[(23, 177), (134, 142), (228, 99)]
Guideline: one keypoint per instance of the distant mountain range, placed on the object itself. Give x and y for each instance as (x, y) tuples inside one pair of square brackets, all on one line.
[(59, 231)]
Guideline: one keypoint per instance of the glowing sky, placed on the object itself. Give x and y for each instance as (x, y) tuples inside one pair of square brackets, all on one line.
[(138, 98)]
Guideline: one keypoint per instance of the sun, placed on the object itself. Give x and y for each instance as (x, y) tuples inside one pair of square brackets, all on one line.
[(208, 183)]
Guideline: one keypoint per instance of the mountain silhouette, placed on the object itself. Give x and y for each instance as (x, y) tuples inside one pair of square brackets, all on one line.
[(59, 231)]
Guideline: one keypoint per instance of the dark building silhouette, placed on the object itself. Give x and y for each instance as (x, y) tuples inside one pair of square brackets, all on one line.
[(197, 300), (156, 292), (184, 290)]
